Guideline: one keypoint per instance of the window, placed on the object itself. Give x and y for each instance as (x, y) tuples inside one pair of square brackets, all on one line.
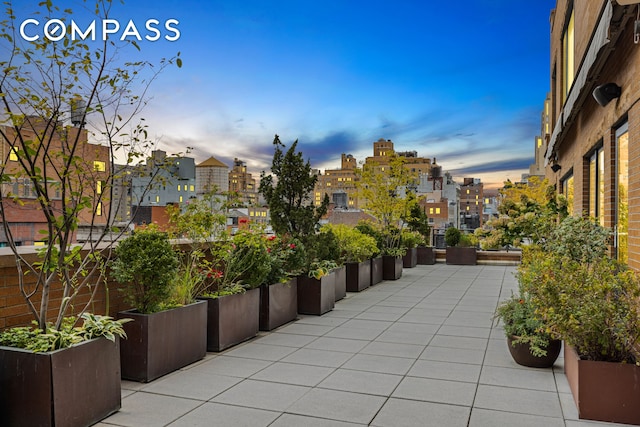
[(622, 193), (157, 199), (192, 188), (567, 191), (99, 209), (99, 166), (437, 211), (568, 56), (99, 187), (179, 187), (180, 200), (596, 185), (431, 211), (13, 154)]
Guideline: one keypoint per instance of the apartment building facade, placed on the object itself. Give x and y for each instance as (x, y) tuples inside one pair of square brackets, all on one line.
[(593, 154)]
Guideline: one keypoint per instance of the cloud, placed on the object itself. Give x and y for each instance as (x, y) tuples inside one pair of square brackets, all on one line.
[(495, 166)]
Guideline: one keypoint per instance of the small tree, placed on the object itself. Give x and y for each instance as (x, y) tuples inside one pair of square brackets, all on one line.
[(288, 192), (55, 95), (386, 193), (418, 221)]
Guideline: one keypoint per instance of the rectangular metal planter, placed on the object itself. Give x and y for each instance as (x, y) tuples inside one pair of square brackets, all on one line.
[(75, 386), (341, 282), (410, 259), (232, 319), (278, 304), (316, 296), (376, 270), (461, 256), (391, 267), (603, 391), (426, 255), (163, 342), (358, 275)]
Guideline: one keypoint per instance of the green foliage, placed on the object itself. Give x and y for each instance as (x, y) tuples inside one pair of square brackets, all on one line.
[(288, 258), (581, 239), (319, 269), (367, 228), (288, 193), (52, 338), (146, 265), (418, 221), (353, 245), (518, 315), (323, 246), (452, 236), (411, 239)]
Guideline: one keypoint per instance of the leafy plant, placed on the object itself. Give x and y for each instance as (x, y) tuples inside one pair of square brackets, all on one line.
[(319, 269), (452, 236), (411, 239), (288, 258), (418, 222), (146, 265), (52, 338), (353, 245)]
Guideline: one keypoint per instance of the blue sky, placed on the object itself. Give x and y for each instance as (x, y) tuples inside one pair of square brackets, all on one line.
[(462, 81)]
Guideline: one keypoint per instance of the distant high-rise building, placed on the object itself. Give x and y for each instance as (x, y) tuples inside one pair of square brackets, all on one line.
[(339, 181), (471, 203), (242, 183)]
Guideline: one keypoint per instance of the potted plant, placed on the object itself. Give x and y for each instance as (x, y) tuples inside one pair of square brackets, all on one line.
[(460, 249), (410, 241), (241, 264), (527, 339), (165, 335), (279, 295), (317, 288), (366, 228), (591, 302), (356, 250), (418, 222), (392, 254)]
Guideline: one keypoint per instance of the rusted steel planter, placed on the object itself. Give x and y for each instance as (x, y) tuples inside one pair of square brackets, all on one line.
[(603, 391), (461, 256), (232, 319), (163, 342), (278, 304), (410, 259), (341, 282), (358, 275), (316, 296), (75, 386), (376, 270), (426, 255), (391, 267)]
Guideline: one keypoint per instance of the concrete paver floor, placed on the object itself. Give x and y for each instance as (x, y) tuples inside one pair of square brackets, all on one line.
[(419, 351)]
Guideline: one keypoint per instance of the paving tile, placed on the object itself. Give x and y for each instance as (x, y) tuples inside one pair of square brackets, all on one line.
[(226, 415), (457, 355), (309, 356), (459, 342), (445, 371), (305, 329), (232, 366), (353, 333), (533, 402), (535, 379), (287, 340), (338, 405), (464, 331), (260, 351), (439, 391), (375, 363), (361, 382), (146, 409), (320, 320), (292, 420), (404, 337), (262, 395), (293, 373), (376, 325), (411, 413), (372, 315), (337, 344), (489, 418), (568, 405), (393, 349), (192, 384), (381, 308)]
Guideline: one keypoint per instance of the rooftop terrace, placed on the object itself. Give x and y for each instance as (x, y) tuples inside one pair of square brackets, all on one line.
[(419, 351)]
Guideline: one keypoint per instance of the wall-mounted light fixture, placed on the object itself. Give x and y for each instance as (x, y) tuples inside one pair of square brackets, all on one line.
[(603, 94), (555, 167)]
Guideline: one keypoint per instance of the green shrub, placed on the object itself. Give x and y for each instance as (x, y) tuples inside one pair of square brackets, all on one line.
[(146, 265), (411, 239), (452, 236), (353, 245)]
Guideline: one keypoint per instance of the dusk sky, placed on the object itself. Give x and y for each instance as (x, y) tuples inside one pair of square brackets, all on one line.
[(462, 81)]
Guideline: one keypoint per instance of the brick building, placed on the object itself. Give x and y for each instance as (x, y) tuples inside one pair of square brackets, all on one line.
[(243, 183), (341, 182), (593, 152), (471, 204)]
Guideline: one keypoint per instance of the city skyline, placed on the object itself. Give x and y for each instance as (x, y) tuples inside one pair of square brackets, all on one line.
[(462, 82)]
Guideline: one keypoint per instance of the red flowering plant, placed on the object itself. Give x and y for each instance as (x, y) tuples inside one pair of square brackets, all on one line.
[(287, 255)]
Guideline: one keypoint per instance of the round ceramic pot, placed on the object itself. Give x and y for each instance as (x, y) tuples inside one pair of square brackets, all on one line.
[(522, 355)]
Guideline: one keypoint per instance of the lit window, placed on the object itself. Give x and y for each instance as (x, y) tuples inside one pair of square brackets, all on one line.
[(39, 243), (99, 209), (180, 199), (596, 185), (568, 59), (567, 191), (264, 214), (99, 166), (437, 211), (192, 188), (467, 207), (13, 155), (328, 184), (179, 187), (99, 187), (431, 211), (476, 203), (467, 191), (157, 199), (252, 213), (486, 201)]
